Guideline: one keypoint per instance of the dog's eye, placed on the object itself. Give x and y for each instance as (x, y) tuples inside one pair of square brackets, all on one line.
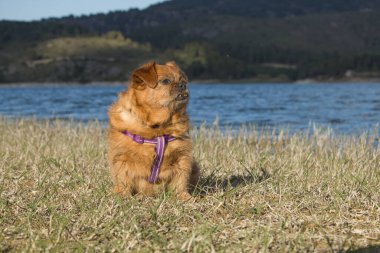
[(166, 81)]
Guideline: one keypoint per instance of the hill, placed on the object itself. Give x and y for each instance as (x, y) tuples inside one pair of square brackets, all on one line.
[(211, 39)]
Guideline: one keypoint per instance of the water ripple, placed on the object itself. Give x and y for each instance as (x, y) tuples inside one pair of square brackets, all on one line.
[(344, 107)]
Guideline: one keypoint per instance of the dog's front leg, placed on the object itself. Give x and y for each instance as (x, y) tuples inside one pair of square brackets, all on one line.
[(122, 183), (180, 181)]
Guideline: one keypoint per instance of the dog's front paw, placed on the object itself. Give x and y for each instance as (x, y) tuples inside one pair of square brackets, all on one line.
[(122, 192), (185, 196)]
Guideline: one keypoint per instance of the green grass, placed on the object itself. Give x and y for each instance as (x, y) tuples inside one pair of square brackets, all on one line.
[(259, 192), (111, 44)]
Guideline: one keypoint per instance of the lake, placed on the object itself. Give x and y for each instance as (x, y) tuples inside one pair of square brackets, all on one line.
[(346, 108)]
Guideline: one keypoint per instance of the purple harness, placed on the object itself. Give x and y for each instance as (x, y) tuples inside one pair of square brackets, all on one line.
[(160, 143)]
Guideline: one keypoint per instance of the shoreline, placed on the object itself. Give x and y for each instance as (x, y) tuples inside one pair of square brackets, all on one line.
[(201, 82)]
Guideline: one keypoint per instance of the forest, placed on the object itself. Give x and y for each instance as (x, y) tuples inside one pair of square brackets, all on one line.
[(217, 40)]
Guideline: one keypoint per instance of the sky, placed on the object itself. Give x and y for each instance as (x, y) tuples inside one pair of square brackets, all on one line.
[(27, 10)]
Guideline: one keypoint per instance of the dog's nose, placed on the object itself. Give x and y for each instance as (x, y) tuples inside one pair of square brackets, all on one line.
[(182, 86)]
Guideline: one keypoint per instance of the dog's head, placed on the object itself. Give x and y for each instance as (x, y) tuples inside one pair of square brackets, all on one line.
[(158, 85), (155, 102)]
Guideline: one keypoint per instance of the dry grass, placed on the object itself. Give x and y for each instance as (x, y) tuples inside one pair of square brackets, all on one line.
[(259, 192)]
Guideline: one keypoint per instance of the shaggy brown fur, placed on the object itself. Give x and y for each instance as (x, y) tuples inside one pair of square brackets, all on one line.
[(154, 105)]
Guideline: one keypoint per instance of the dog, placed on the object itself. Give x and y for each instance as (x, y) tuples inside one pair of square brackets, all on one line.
[(149, 146)]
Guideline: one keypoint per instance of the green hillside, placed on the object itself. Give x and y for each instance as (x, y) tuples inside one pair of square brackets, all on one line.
[(212, 39)]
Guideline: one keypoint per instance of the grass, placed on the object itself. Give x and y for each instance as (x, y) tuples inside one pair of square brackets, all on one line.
[(112, 44), (260, 191)]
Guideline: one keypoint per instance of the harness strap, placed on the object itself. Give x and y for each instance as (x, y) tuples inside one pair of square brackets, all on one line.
[(160, 143)]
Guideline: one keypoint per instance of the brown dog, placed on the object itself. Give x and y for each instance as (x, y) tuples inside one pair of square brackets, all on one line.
[(150, 149)]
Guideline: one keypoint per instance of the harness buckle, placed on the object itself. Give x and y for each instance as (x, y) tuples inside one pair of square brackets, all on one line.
[(139, 139)]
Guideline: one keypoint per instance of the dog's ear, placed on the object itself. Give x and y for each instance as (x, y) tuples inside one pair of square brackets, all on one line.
[(145, 75)]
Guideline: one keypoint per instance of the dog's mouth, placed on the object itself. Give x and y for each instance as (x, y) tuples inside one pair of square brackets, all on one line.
[(182, 96)]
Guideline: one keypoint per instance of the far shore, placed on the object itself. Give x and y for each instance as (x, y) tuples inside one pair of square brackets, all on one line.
[(209, 81)]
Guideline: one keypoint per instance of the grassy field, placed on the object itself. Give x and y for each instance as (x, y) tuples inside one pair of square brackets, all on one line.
[(260, 192)]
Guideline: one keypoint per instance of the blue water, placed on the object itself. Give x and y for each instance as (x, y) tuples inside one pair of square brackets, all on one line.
[(346, 108)]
